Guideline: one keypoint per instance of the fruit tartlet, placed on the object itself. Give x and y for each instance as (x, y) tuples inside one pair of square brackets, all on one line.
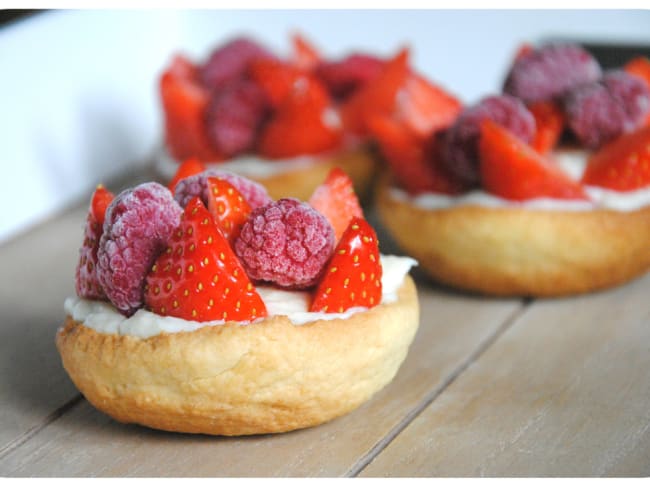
[(219, 310), (542, 190), (285, 122)]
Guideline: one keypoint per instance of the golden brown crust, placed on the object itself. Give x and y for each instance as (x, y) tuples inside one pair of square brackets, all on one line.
[(520, 252), (360, 164), (265, 377)]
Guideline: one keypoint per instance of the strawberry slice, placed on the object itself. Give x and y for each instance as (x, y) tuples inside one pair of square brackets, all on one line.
[(549, 122), (199, 277), (623, 164), (353, 274), (228, 207), (184, 102), (336, 200), (187, 168), (276, 78), (512, 169), (305, 54), (86, 283), (640, 67), (416, 168), (305, 123)]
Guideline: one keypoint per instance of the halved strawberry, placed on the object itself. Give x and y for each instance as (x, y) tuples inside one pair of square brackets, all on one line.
[(305, 54), (549, 122), (305, 123), (228, 207), (353, 275), (199, 277), (623, 164), (640, 67), (86, 283), (512, 169), (184, 102), (187, 168), (416, 167), (276, 78), (336, 200)]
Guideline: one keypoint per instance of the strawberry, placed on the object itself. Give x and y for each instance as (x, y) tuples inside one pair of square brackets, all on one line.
[(184, 102), (623, 164), (415, 168), (523, 50), (549, 123), (512, 169), (228, 207), (86, 283), (336, 200), (305, 123), (276, 78), (640, 67), (199, 277), (353, 275), (305, 55), (187, 168), (345, 77)]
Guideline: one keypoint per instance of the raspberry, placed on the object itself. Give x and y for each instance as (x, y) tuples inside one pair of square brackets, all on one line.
[(197, 186), (235, 115), (345, 76), (138, 225), (460, 148), (230, 61), (550, 72), (601, 111), (286, 242)]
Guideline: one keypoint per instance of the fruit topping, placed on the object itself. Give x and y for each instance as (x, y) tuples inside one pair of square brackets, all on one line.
[(549, 125), (86, 283), (230, 61), (513, 170), (286, 242), (304, 123), (275, 78), (197, 186), (198, 277), (305, 54), (228, 207), (460, 146), (234, 117), (184, 102), (187, 168), (347, 75), (336, 200), (138, 224), (601, 111), (623, 164), (550, 71), (353, 275)]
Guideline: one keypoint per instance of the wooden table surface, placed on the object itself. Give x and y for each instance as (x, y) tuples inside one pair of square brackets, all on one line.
[(491, 387)]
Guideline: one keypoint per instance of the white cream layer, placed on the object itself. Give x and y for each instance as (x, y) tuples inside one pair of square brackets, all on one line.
[(103, 317), (572, 161)]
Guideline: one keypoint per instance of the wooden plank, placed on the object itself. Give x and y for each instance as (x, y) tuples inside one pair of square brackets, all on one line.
[(565, 391), (86, 443)]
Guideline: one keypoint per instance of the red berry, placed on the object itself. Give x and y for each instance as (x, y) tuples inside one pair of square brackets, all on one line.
[(348, 75), (623, 164), (138, 225), (286, 243), (305, 54), (228, 207), (353, 275), (512, 169), (275, 78), (336, 200), (549, 125), (86, 282), (187, 168), (198, 277)]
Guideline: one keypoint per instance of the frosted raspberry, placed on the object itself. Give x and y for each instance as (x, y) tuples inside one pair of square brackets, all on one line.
[(230, 61), (460, 148), (235, 115), (138, 225), (601, 111), (550, 71), (286, 242), (197, 186)]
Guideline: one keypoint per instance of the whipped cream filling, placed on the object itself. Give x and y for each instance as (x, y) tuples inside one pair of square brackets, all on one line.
[(104, 317), (571, 161)]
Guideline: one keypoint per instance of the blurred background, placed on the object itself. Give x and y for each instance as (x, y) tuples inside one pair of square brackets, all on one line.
[(78, 91)]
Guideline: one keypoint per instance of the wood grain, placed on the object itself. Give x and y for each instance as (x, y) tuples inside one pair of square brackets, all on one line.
[(565, 391), (87, 443)]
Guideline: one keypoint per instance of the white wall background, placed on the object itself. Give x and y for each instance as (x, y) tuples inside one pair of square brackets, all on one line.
[(78, 89)]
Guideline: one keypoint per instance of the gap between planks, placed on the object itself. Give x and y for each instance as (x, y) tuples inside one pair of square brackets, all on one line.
[(367, 458)]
